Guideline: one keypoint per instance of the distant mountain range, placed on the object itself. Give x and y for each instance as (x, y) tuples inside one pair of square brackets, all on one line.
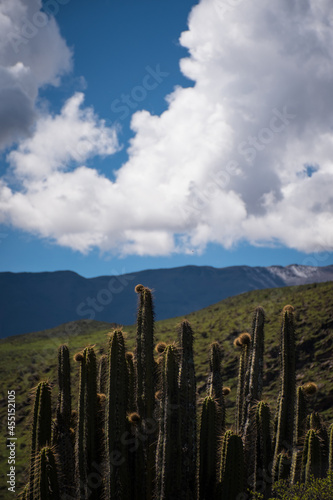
[(38, 301)]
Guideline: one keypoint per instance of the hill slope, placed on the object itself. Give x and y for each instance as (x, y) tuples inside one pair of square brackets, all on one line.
[(27, 359), (36, 301)]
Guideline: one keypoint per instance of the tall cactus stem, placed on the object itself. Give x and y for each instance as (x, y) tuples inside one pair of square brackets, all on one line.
[(208, 449), (284, 421), (232, 467), (46, 485), (169, 443), (62, 434), (146, 378), (263, 448), (215, 384), (311, 460), (41, 426), (119, 482), (243, 341), (188, 417)]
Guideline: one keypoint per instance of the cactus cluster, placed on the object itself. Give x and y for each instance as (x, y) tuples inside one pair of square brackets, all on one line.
[(140, 432)]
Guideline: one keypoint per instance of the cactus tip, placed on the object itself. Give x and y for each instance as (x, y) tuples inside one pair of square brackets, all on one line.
[(226, 391), (160, 347), (101, 397), (310, 388), (78, 357), (245, 338), (134, 418), (158, 395)]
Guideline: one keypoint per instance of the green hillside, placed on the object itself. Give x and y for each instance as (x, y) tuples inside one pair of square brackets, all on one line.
[(27, 359)]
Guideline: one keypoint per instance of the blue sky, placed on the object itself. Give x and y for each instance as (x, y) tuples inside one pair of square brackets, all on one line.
[(140, 135)]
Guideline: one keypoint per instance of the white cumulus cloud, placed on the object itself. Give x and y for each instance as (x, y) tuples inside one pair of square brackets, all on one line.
[(244, 155), (32, 54)]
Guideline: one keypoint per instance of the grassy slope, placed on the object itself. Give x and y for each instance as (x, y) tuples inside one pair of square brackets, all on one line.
[(27, 359)]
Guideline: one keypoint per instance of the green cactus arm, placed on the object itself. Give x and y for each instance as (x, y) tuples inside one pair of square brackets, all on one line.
[(41, 426), (254, 373), (285, 415), (330, 457), (312, 456), (170, 430), (208, 446), (116, 425), (46, 484), (188, 408), (243, 341), (215, 384), (232, 467), (263, 447)]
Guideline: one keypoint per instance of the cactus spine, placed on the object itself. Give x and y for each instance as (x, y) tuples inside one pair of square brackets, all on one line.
[(208, 449), (188, 408), (284, 421)]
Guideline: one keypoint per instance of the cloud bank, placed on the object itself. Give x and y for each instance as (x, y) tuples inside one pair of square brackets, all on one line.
[(244, 155)]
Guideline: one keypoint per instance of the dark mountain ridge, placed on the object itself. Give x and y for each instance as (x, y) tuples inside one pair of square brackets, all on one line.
[(38, 301)]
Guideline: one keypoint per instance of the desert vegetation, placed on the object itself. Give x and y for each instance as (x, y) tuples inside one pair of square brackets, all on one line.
[(141, 430)]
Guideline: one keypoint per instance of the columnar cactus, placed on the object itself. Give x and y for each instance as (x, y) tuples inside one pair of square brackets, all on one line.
[(254, 373), (263, 448), (284, 421), (102, 374), (131, 381), (209, 441), (188, 408), (312, 457), (62, 433), (301, 412), (145, 353), (315, 422), (253, 386), (41, 427), (168, 456), (232, 467), (243, 341), (46, 485), (214, 383), (87, 454), (282, 469), (330, 455), (146, 377), (116, 427)]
